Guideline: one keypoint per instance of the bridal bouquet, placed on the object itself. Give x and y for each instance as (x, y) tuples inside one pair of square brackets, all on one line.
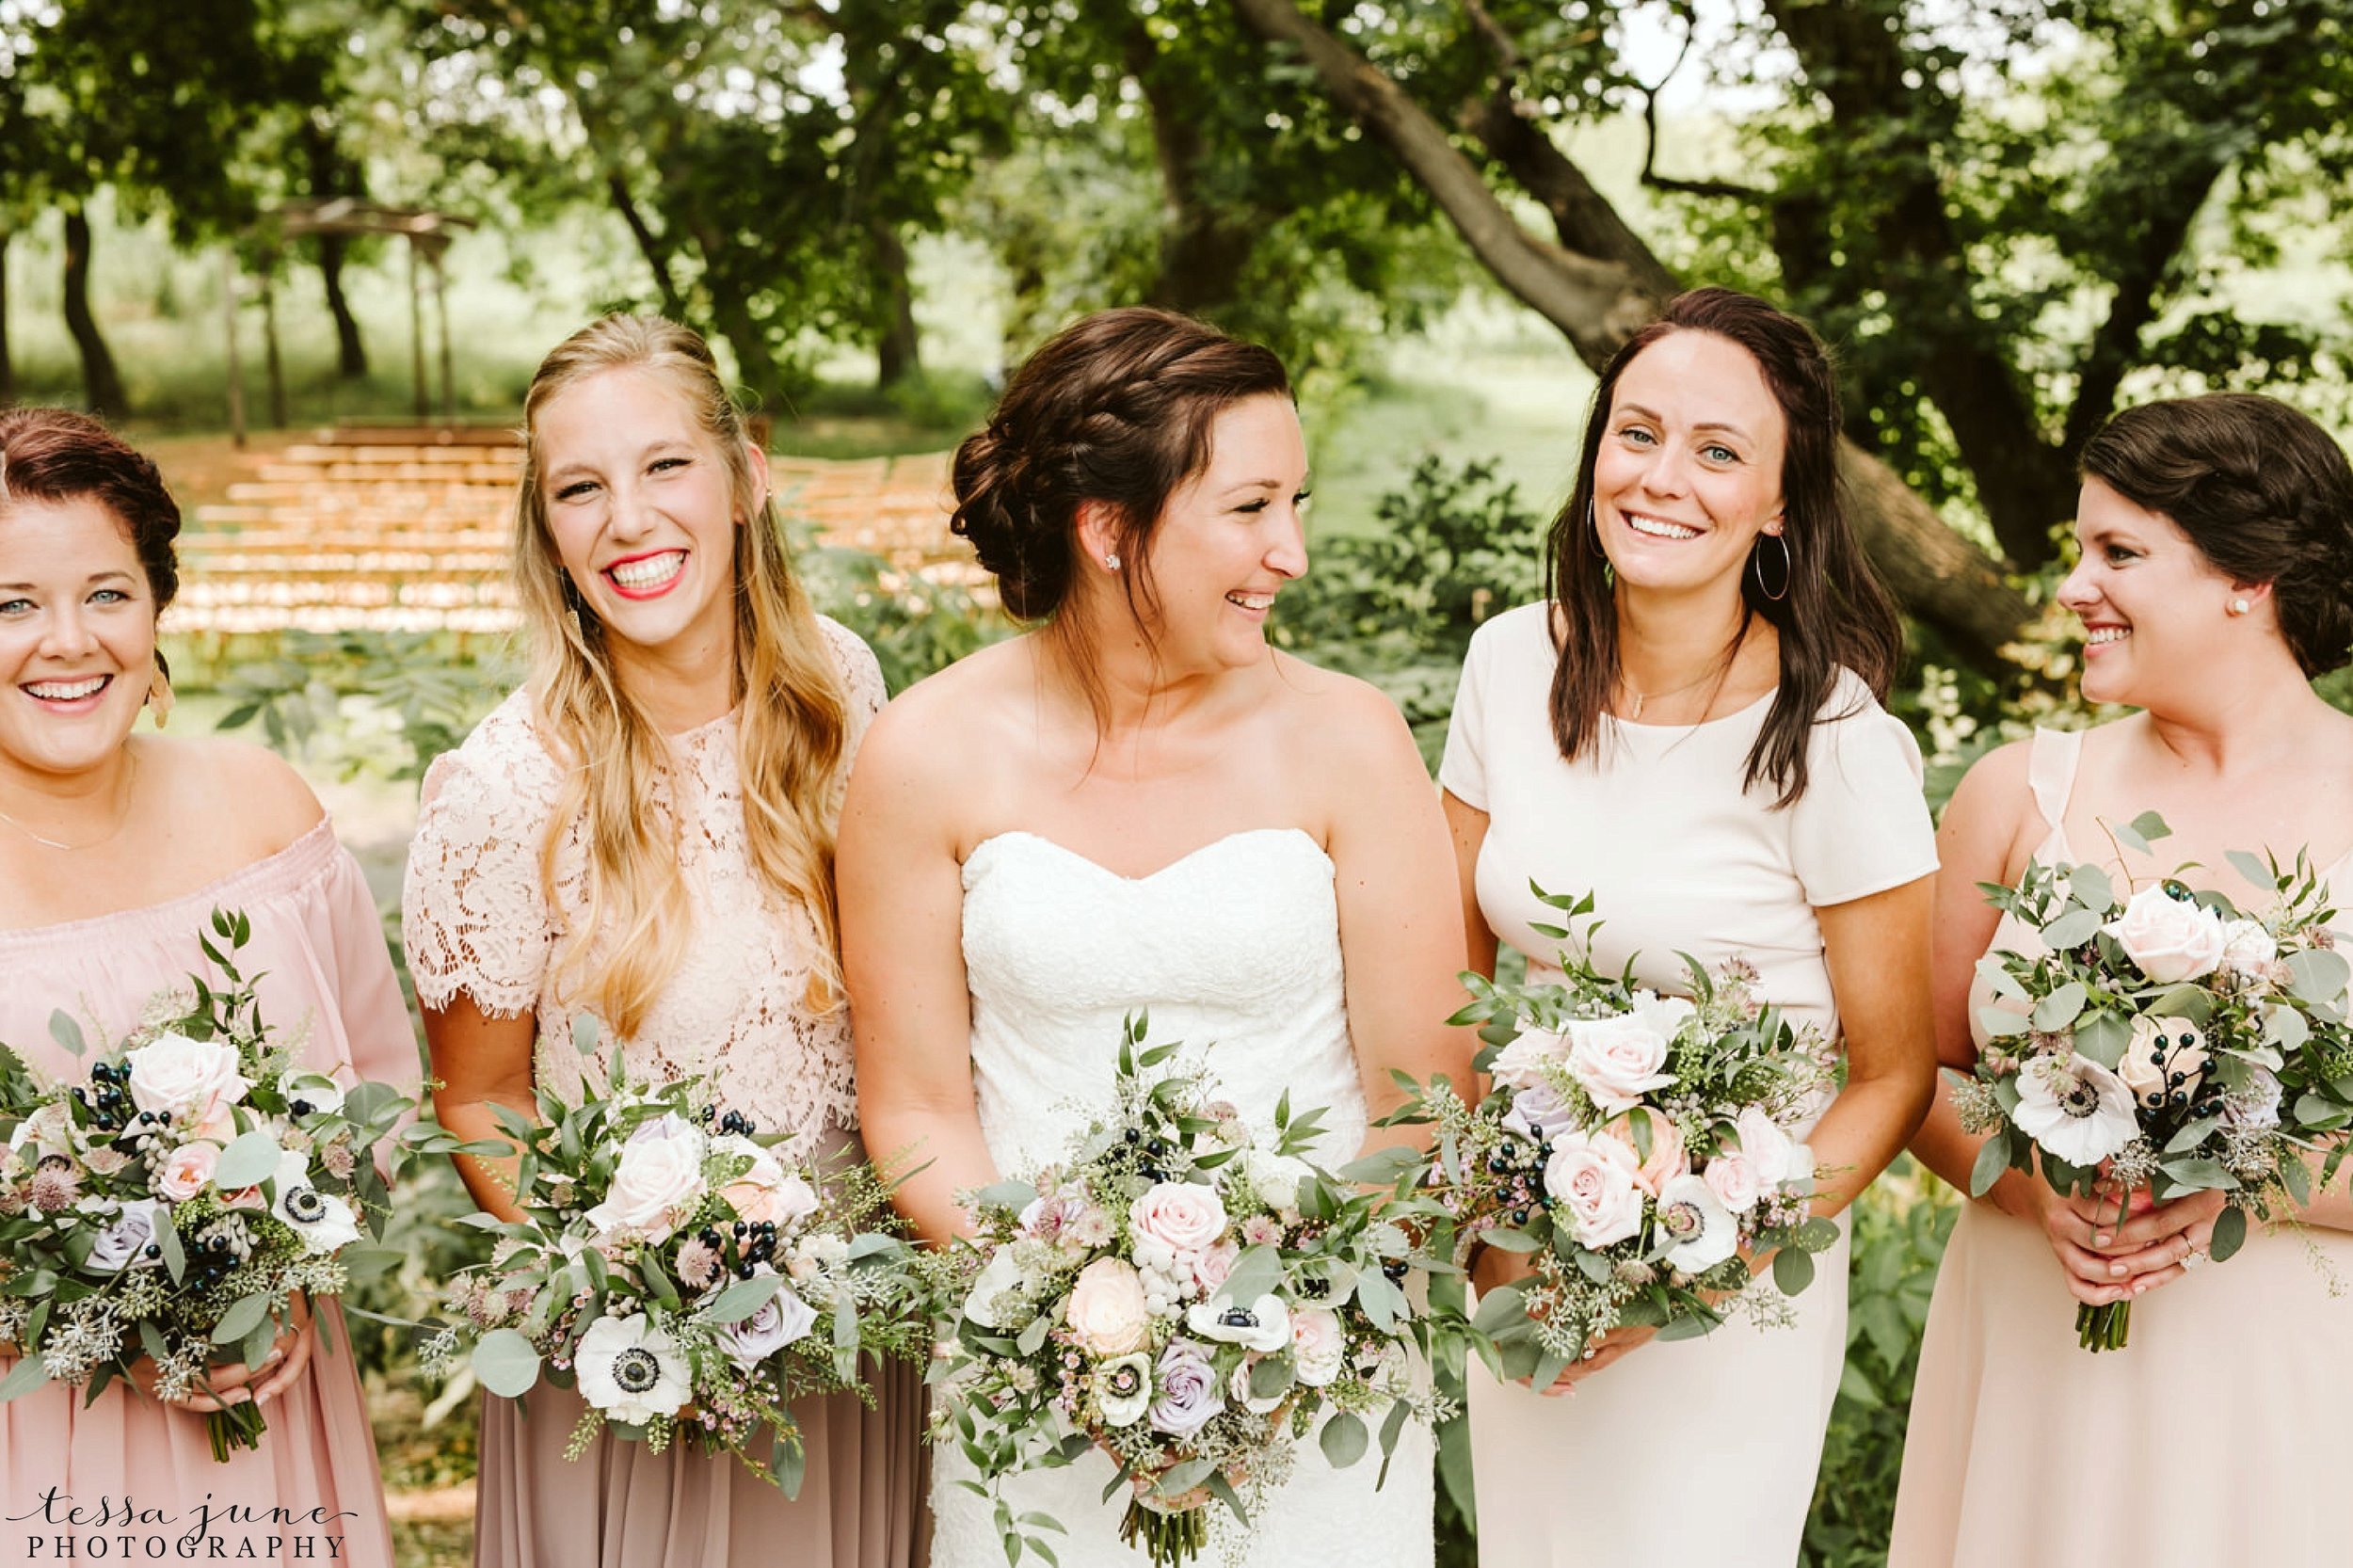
[(170, 1203), (1188, 1297), (687, 1281), (2164, 1040), (1634, 1147)]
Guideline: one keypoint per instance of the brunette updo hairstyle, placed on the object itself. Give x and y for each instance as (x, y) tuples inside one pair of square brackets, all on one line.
[(53, 455), (1832, 613), (2261, 490), (1117, 409)]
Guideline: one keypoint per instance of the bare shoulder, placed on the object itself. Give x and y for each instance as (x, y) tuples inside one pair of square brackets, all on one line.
[(251, 789), (933, 743), (1341, 721), (1990, 808)]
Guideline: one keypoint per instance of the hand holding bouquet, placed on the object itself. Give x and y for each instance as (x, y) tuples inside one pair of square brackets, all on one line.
[(1187, 1296), (689, 1282), (1638, 1148), (2166, 1041), (179, 1203)]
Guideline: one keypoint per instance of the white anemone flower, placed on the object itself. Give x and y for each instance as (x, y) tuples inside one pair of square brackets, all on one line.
[(1263, 1325), (1123, 1389), (632, 1370), (1701, 1229), (324, 1220), (2076, 1109)]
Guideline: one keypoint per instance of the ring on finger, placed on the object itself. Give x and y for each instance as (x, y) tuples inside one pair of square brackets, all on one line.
[(2194, 1256)]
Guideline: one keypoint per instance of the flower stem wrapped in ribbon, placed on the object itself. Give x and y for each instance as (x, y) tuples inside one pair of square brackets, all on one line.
[(2163, 1040), (1187, 1294), (1638, 1148), (686, 1278), (176, 1203)]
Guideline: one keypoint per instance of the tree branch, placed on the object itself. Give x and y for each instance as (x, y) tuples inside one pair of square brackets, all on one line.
[(1598, 303)]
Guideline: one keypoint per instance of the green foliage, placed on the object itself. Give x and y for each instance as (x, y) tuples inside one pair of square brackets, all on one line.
[(380, 702), (1900, 1225), (1397, 606)]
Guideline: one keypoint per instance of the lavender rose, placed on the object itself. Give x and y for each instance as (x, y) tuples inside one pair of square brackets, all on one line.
[(783, 1320), (1188, 1395), (124, 1243)]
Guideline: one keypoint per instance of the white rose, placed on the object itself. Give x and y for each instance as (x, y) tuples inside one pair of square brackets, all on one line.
[(1318, 1348), (1779, 1159), (2164, 1048), (1593, 1180), (2169, 939), (1617, 1061), (1275, 1177), (1183, 1216), (986, 1303), (1521, 1064), (657, 1182), (193, 1082), (2247, 948)]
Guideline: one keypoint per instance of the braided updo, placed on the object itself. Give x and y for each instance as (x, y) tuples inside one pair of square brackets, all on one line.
[(1117, 409), (2261, 489)]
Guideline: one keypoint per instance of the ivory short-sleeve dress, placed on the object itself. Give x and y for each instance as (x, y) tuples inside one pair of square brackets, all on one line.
[(1706, 1444), (318, 948), (2216, 1436), (737, 1012)]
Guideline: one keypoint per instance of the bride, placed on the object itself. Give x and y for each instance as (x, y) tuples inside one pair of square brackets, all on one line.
[(1141, 805)]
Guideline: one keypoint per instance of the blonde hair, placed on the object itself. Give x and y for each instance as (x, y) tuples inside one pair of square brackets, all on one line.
[(791, 732)]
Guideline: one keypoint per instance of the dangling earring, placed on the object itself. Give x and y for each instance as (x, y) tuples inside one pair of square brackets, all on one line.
[(1756, 566), (159, 697), (1110, 560), (1592, 531), (2240, 606)]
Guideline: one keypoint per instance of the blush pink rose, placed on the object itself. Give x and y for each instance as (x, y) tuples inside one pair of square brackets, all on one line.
[(1183, 1216), (1667, 1160), (185, 1170), (1212, 1263), (2171, 939), (1591, 1180), (1617, 1061), (1732, 1177), (1107, 1313)]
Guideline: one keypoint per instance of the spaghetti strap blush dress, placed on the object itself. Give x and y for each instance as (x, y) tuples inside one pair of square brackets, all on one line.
[(2216, 1436), (738, 1013), (1704, 1448), (324, 976)]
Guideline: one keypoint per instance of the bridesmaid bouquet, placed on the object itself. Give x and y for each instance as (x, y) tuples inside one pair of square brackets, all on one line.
[(1633, 1146), (171, 1204), (687, 1281), (2164, 1040), (1186, 1297)]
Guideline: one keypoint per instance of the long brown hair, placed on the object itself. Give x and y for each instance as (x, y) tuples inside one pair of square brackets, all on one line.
[(791, 731), (1835, 611)]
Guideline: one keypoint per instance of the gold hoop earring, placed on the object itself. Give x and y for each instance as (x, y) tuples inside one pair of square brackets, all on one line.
[(159, 698), (1592, 531), (1757, 566)]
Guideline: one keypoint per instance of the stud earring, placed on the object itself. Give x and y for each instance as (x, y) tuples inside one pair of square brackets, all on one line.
[(2240, 606), (1110, 560)]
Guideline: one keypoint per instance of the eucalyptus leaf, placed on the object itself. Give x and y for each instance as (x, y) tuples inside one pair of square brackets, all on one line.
[(68, 1033), (2318, 975), (1255, 1273), (2062, 1007), (2002, 1022), (2073, 929), (243, 1316), (741, 1299), (1343, 1440), (505, 1363), (1793, 1269), (2102, 1036), (788, 1464), (29, 1373), (248, 1162), (1993, 1159), (2230, 1233), (2262, 877), (2088, 886)]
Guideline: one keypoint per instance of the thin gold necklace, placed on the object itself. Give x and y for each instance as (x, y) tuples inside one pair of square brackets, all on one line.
[(122, 814), (1716, 672)]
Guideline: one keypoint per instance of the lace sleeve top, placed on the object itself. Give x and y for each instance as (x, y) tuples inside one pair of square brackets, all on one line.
[(477, 917)]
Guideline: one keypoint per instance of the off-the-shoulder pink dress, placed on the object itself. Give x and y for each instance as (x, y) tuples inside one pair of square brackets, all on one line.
[(319, 949), (477, 921)]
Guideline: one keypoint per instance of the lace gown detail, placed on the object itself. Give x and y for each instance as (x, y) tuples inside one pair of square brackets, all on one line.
[(737, 1011), (478, 921), (1235, 951)]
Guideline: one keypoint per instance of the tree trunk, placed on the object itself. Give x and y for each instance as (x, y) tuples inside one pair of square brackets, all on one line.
[(1204, 246), (732, 313), (1598, 303), (101, 384), (899, 355), (649, 245), (351, 353), (7, 364)]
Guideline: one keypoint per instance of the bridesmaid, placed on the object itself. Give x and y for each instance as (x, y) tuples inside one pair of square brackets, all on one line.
[(2217, 581), (644, 833), (115, 850), (1690, 729)]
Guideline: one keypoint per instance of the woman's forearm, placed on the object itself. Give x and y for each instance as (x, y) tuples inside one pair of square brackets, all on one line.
[(490, 1180), (1865, 1128), (935, 1156)]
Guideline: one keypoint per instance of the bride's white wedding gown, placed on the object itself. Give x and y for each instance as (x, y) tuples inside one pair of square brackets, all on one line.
[(1234, 948)]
